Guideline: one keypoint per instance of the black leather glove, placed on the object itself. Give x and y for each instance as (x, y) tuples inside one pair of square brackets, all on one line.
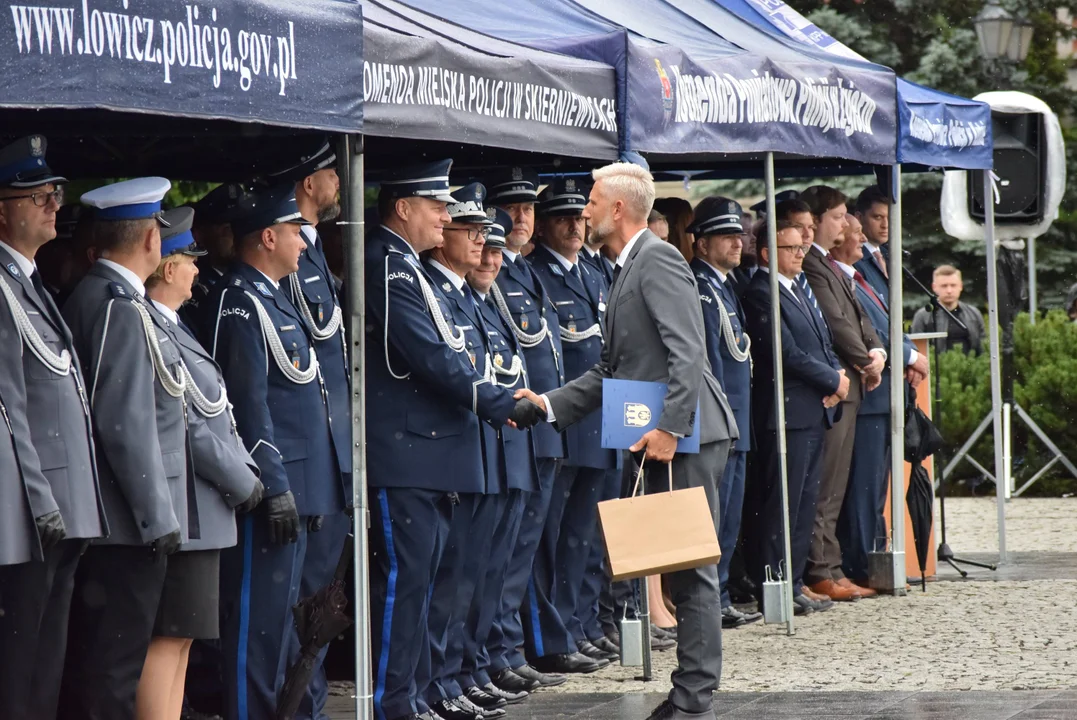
[(51, 530), (527, 414), (314, 524), (165, 546), (283, 518), (253, 499)]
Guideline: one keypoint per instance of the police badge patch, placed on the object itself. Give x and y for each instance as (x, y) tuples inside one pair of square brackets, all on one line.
[(11, 268), (261, 287), (523, 322)]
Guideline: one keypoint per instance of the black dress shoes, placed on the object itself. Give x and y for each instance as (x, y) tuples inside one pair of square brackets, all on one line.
[(604, 643), (596, 653), (660, 640), (508, 680), (510, 698), (484, 699), (572, 663), (484, 713), (669, 711), (731, 619), (543, 679), (449, 710)]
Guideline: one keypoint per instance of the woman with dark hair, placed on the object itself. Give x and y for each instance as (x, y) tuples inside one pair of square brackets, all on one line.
[(678, 212)]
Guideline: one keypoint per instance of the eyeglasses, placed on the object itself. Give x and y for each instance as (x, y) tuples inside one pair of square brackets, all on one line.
[(472, 233), (798, 226), (41, 199), (797, 249)]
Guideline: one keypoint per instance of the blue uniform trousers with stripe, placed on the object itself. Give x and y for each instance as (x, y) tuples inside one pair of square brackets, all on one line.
[(561, 561), (486, 605), (463, 565), (730, 506), (259, 585), (408, 531), (584, 623), (861, 521), (319, 565), (507, 635)]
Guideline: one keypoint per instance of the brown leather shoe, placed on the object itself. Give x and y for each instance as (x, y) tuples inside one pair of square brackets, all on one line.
[(865, 592), (834, 591)]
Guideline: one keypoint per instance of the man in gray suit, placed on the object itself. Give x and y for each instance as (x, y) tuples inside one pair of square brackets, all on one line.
[(41, 384), (136, 401), (655, 331)]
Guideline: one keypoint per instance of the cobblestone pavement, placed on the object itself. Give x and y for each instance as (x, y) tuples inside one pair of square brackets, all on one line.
[(1032, 524)]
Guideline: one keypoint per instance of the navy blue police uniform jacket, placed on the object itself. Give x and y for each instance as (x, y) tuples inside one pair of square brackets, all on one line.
[(284, 424), (318, 290), (528, 305), (424, 399), (810, 367), (580, 304), (599, 263), (467, 317), (735, 377), (521, 471)]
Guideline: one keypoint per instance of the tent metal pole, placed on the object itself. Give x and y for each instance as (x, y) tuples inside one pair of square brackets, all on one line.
[(996, 373), (1032, 281), (779, 389), (350, 165), (897, 388)]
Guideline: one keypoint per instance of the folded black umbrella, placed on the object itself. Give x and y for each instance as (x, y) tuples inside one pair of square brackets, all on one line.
[(922, 439), (318, 619)]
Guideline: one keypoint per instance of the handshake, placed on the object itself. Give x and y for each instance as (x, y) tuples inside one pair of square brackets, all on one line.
[(529, 411)]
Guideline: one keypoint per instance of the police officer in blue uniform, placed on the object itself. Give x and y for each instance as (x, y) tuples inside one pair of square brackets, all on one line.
[(459, 577), (719, 241), (526, 308), (521, 472), (578, 295), (263, 345), (212, 230), (313, 291), (425, 405)]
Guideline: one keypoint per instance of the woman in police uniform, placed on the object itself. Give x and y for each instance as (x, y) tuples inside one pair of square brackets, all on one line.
[(226, 480)]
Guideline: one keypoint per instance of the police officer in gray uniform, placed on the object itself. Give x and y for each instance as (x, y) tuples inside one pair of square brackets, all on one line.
[(136, 401), (42, 387)]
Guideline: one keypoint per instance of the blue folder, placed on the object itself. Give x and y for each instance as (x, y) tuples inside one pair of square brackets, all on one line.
[(630, 408)]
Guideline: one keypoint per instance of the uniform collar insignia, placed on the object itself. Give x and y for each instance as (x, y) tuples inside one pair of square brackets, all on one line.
[(556, 269), (261, 287), (13, 270), (446, 287)]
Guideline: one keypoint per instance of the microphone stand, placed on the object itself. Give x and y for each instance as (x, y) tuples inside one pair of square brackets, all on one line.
[(945, 554)]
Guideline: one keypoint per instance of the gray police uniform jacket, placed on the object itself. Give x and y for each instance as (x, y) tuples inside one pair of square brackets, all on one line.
[(654, 332), (140, 429), (58, 467), (19, 542), (224, 471)]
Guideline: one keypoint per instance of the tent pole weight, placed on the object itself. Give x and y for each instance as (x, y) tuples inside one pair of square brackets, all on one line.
[(350, 167)]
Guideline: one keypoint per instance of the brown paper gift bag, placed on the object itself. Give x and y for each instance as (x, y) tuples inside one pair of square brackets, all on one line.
[(658, 533)]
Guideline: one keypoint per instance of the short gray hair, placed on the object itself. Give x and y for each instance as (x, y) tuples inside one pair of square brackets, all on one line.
[(630, 183)]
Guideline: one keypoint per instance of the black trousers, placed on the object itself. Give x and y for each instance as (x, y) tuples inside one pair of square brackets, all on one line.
[(117, 591), (35, 598)]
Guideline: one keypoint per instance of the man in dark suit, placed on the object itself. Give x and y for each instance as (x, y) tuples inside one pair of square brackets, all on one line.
[(719, 241), (873, 211), (655, 333), (859, 525), (815, 383), (862, 355)]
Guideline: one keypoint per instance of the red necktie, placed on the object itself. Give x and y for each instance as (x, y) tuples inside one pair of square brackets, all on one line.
[(882, 263), (867, 288)]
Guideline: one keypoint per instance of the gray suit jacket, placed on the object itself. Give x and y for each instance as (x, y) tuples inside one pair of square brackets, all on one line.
[(225, 473), (61, 456), (140, 429), (654, 331), (19, 542)]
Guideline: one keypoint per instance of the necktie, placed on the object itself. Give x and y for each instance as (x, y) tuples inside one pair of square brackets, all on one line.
[(43, 294), (834, 266), (882, 263), (859, 279), (616, 274), (519, 262), (576, 273), (802, 281)]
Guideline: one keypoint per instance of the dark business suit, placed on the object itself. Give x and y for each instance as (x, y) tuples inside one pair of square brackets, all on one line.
[(655, 333), (810, 371), (860, 522), (853, 339)]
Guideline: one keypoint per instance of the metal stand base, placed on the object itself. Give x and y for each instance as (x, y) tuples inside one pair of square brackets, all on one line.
[(946, 555), (962, 454)]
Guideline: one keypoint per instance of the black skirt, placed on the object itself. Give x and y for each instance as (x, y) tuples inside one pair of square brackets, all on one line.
[(191, 598)]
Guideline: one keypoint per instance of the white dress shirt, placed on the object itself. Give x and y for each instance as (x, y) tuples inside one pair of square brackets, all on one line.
[(134, 280)]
